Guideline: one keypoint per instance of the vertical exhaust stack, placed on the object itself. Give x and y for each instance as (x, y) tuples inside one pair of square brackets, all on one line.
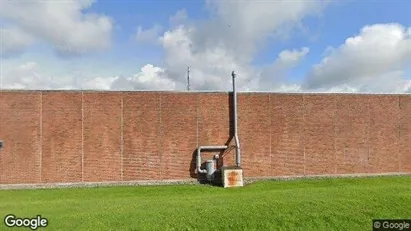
[(232, 176), (237, 142)]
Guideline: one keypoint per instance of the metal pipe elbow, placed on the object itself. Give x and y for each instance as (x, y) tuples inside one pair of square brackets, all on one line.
[(199, 170)]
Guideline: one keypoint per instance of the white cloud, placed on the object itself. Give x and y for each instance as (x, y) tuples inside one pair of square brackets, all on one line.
[(62, 24), (291, 88), (243, 25), (149, 35), (30, 76), (393, 82), (373, 61), (149, 77), (212, 48), (210, 69), (292, 57), (13, 41), (274, 75), (229, 40), (179, 18)]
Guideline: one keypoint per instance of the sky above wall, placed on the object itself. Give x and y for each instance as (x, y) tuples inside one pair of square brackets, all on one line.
[(272, 45)]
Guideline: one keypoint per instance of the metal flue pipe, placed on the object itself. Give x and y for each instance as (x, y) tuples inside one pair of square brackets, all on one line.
[(237, 142)]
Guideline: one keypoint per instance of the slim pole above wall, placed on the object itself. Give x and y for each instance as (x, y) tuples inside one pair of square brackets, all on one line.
[(188, 78)]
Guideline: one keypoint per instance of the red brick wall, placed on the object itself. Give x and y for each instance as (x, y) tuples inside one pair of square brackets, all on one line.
[(20, 130), (405, 134), (61, 137), (384, 134), (101, 137), (352, 134), (318, 134), (254, 120), (141, 136), (287, 144), (179, 134), (73, 136)]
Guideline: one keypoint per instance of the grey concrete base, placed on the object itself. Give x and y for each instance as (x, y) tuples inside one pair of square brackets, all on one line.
[(247, 180)]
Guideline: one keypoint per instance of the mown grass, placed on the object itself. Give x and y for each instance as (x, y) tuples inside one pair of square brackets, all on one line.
[(313, 204)]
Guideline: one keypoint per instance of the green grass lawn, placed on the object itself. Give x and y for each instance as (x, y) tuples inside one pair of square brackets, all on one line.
[(313, 204)]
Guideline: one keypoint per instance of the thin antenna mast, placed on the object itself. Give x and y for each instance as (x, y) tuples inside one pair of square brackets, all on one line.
[(188, 78)]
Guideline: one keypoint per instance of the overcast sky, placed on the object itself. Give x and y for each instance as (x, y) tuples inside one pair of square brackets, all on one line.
[(278, 46)]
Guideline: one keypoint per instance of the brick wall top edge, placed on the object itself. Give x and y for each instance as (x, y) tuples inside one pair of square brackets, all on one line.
[(203, 92)]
